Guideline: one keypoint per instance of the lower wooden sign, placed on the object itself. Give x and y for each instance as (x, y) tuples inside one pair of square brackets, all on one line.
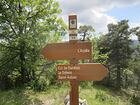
[(81, 72)]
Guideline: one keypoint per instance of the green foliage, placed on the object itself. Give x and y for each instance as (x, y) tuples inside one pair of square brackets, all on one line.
[(103, 97), (55, 95), (135, 99), (100, 50), (115, 51), (119, 42), (39, 85), (136, 31), (134, 65), (85, 84), (86, 31), (26, 26), (51, 75)]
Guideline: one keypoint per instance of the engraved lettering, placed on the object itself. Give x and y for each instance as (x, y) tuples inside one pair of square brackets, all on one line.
[(83, 50)]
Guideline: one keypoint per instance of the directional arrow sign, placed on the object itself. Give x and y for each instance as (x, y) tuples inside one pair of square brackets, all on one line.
[(68, 51), (81, 72)]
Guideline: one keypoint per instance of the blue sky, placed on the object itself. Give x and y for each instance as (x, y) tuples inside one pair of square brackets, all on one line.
[(132, 13), (99, 13)]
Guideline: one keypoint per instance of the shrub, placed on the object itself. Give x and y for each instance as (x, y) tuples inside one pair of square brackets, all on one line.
[(101, 96), (39, 85), (135, 99)]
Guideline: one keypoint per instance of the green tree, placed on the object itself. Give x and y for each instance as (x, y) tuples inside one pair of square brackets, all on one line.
[(100, 49), (25, 27), (116, 44), (136, 31), (86, 31), (134, 65), (120, 50)]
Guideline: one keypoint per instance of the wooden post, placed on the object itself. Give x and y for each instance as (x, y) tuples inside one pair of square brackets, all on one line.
[(74, 93)]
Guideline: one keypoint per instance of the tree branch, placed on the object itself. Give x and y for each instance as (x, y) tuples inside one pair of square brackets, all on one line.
[(5, 63), (9, 47), (11, 27), (35, 14), (44, 67), (4, 37)]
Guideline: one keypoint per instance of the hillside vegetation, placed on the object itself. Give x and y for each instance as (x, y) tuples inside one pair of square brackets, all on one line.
[(96, 95)]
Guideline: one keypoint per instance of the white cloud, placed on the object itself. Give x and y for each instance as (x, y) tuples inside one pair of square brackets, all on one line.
[(98, 5), (93, 12), (134, 24), (97, 19)]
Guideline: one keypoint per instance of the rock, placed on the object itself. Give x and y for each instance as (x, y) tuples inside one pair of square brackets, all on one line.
[(81, 102), (66, 100)]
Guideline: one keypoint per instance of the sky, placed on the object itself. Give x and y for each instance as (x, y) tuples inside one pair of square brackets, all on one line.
[(99, 13)]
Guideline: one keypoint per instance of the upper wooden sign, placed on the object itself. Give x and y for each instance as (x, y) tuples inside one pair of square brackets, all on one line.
[(82, 72), (68, 51)]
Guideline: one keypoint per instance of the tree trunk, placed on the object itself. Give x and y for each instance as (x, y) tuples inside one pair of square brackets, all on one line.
[(138, 84), (126, 81), (118, 84), (22, 64), (109, 78)]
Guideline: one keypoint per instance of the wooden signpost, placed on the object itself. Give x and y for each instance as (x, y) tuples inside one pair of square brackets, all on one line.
[(73, 51)]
